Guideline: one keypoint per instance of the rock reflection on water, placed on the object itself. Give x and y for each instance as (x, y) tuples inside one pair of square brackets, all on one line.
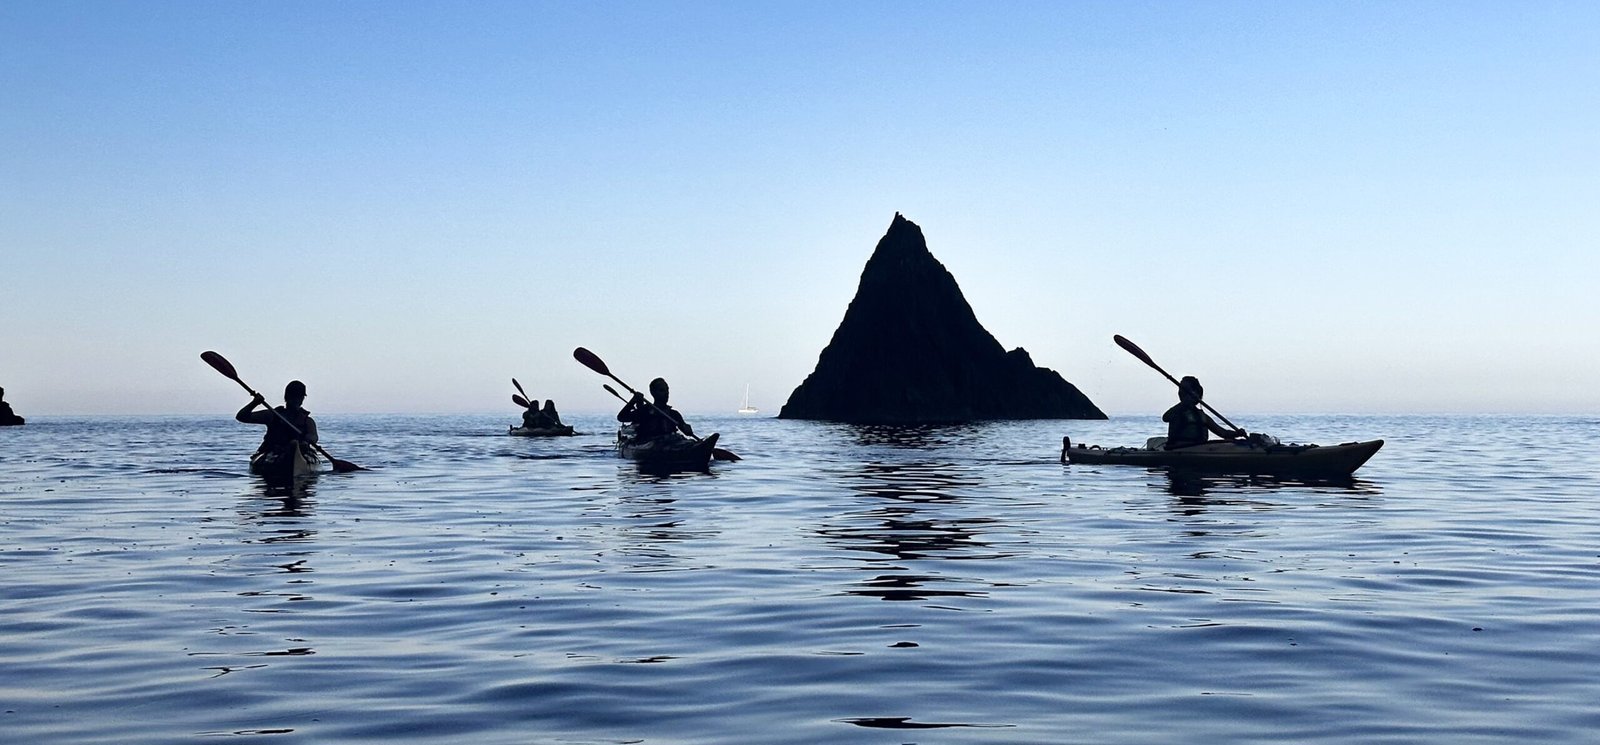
[(911, 482), (919, 437), (901, 529), (909, 587)]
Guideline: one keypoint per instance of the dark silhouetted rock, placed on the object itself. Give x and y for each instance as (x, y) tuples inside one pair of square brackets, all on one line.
[(910, 351), (8, 418)]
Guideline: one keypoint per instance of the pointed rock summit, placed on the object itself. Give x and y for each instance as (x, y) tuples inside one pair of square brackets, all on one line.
[(911, 351)]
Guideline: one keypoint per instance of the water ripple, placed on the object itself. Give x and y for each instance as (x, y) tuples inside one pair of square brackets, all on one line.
[(841, 584)]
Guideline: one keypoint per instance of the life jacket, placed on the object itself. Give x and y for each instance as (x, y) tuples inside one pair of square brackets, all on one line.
[(1186, 425), (649, 424), (280, 437)]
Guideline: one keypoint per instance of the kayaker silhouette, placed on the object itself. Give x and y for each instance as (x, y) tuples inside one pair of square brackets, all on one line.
[(1187, 425), (545, 418), (551, 417), (280, 438), (652, 421), (532, 418)]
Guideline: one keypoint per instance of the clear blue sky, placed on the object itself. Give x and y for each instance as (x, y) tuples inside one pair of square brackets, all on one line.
[(1315, 207)]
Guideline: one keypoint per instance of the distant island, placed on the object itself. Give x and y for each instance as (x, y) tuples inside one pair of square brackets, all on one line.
[(911, 351), (8, 418)]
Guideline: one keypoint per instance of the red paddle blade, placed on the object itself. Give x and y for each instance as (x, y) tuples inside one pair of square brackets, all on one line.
[(591, 360), (220, 363)]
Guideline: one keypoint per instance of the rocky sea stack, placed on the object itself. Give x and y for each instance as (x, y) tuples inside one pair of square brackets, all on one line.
[(911, 351)]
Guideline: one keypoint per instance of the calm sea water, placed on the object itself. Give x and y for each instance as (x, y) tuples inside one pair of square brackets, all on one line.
[(839, 585)]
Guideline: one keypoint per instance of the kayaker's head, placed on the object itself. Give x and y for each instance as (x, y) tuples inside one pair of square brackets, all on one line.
[(294, 394), (659, 390), (1189, 390), (549, 405)]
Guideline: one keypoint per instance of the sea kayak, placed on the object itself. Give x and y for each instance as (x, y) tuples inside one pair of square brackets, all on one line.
[(1224, 456), (561, 431), (285, 465), (673, 450), (15, 421)]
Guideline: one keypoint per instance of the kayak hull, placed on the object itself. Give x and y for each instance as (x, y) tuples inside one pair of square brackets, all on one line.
[(561, 431), (1231, 457), (286, 465), (667, 451), (15, 421)]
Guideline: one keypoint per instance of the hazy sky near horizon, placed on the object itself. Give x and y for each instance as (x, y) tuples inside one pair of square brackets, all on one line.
[(1315, 207)]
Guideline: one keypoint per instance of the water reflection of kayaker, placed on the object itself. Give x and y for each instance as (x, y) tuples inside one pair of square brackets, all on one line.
[(652, 421), (1186, 424), (280, 437)]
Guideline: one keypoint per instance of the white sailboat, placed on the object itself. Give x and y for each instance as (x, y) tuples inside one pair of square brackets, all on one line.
[(747, 408)]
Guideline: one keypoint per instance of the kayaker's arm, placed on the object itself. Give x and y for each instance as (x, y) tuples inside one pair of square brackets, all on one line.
[(683, 425), (1223, 432), (248, 414), (630, 410), (311, 431)]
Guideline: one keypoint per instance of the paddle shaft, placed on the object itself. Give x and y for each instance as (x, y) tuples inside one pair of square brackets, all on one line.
[(1134, 350)]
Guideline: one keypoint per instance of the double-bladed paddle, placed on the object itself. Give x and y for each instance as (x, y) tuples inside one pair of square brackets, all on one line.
[(222, 365), (593, 362), (520, 401), (527, 400), (1134, 350)]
